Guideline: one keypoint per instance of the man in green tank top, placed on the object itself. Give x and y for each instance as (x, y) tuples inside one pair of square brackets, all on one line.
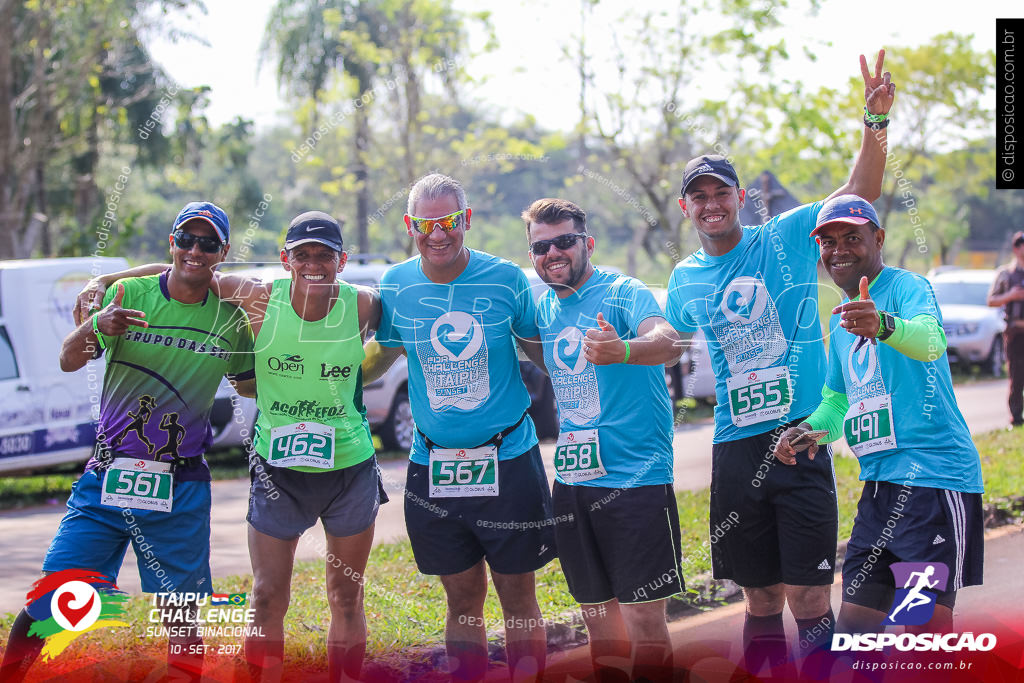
[(313, 456)]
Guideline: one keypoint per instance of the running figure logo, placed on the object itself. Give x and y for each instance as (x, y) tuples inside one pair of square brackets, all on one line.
[(138, 424), (175, 435), (914, 603)]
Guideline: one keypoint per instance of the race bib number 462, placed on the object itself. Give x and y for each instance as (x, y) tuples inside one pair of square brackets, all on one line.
[(463, 472), (759, 395), (138, 484), (302, 444)]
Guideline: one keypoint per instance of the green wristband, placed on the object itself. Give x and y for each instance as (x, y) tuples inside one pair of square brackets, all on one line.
[(626, 359), (874, 118), (96, 329)]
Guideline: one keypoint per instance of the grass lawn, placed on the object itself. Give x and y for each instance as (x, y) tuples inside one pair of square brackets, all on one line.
[(405, 610)]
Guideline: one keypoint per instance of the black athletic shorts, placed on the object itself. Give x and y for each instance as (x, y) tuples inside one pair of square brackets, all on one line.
[(900, 523), (772, 523), (513, 530), (618, 543)]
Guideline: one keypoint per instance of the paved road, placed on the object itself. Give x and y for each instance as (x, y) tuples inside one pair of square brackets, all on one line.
[(27, 533)]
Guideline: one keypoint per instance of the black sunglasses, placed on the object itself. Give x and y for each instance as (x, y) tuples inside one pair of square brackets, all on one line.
[(563, 242), (185, 240)]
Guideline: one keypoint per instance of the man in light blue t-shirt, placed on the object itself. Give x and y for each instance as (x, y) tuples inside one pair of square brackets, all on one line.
[(475, 488), (605, 344), (894, 403), (754, 292)]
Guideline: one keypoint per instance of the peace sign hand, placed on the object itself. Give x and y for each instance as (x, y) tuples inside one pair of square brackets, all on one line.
[(113, 321), (878, 89)]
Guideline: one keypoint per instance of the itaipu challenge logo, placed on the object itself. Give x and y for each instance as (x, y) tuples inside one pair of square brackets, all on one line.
[(71, 602)]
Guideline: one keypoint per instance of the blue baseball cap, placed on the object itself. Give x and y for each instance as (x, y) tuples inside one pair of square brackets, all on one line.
[(205, 211), (846, 208)]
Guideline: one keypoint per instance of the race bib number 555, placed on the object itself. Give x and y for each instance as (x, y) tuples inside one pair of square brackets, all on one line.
[(759, 395)]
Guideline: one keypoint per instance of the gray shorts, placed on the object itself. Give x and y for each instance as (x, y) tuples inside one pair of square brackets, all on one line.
[(284, 503)]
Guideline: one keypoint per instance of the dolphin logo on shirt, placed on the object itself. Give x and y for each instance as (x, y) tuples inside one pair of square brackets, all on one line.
[(570, 340), (456, 335)]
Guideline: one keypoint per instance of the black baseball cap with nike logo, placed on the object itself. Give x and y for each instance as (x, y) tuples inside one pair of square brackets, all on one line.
[(314, 226)]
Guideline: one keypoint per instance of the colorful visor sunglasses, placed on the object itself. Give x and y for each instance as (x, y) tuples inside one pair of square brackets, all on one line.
[(446, 223)]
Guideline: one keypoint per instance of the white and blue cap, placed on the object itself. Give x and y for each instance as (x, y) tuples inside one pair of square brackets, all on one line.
[(846, 208), (314, 226)]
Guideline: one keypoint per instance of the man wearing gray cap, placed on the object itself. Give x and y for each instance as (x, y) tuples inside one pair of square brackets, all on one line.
[(753, 291), (1008, 291)]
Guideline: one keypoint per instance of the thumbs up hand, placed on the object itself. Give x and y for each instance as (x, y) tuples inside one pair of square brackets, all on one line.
[(860, 317), (114, 321), (601, 345)]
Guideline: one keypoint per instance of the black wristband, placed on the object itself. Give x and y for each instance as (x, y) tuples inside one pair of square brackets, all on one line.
[(876, 125)]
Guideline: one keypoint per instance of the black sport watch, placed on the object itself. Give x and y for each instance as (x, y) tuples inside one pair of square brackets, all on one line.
[(887, 325)]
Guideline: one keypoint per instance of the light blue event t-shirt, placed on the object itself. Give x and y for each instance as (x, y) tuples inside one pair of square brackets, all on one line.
[(627, 404), (464, 379), (933, 444), (758, 308)]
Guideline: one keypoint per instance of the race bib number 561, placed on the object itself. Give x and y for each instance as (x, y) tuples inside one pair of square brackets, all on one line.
[(759, 395), (138, 484)]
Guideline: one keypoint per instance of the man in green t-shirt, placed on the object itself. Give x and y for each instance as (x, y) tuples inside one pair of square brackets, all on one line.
[(167, 343)]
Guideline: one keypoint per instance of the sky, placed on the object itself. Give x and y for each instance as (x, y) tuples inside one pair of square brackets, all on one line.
[(531, 35)]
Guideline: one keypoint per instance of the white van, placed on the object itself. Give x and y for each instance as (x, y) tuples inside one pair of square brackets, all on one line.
[(46, 416)]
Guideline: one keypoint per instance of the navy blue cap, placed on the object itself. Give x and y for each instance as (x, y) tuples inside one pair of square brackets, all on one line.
[(205, 211), (846, 208), (314, 226)]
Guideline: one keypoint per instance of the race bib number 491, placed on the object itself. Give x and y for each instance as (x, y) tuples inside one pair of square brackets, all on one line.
[(463, 472), (868, 426), (759, 396), (138, 484)]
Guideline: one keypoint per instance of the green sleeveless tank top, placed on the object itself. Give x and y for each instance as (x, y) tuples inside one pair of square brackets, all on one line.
[(310, 387)]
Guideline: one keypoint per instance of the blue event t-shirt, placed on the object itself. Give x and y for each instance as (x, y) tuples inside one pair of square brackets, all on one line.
[(628, 404), (758, 308), (464, 379), (933, 444)]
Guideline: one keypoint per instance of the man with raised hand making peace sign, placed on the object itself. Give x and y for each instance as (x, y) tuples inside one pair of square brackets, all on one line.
[(605, 344), (753, 291), (890, 393), (168, 343)]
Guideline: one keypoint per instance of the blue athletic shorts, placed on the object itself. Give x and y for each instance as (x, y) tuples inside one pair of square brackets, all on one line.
[(513, 530), (899, 523), (173, 548)]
